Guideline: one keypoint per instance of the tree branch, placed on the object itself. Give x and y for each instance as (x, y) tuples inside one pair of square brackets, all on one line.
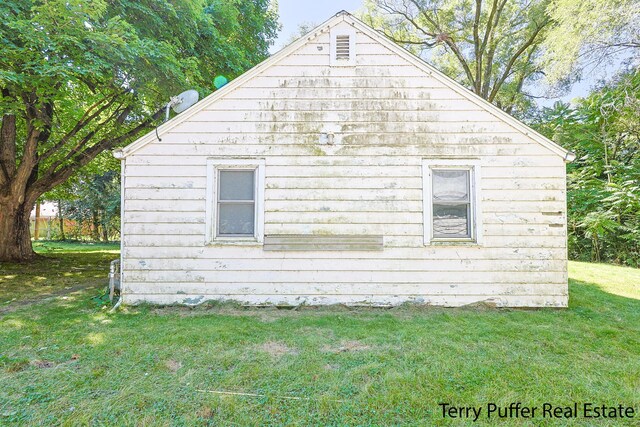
[(55, 177), (486, 80), (38, 131), (490, 24), (514, 58), (414, 42), (409, 19), (454, 48), (81, 124), (520, 81), (449, 42), (493, 21), (7, 143), (115, 116), (476, 46), (7, 147)]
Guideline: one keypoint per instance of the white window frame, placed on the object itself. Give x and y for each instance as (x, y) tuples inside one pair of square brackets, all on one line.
[(213, 168), (473, 166), (342, 31)]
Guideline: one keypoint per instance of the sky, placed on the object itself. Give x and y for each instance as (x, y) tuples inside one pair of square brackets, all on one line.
[(293, 13), (296, 12)]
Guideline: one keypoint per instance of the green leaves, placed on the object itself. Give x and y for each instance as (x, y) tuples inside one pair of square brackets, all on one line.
[(95, 205), (604, 181), (587, 32), (132, 54)]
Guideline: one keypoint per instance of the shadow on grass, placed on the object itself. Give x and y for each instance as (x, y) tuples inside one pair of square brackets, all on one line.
[(584, 295), (52, 274)]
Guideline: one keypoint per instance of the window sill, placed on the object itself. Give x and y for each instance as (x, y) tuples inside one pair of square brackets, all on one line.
[(235, 242), (453, 243)]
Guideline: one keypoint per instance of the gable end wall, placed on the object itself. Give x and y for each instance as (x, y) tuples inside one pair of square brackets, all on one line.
[(386, 115)]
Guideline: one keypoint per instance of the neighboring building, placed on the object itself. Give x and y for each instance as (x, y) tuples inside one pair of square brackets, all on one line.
[(343, 169), (48, 210), (41, 217)]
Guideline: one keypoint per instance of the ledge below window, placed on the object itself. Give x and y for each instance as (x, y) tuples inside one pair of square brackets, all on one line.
[(236, 241), (457, 242)]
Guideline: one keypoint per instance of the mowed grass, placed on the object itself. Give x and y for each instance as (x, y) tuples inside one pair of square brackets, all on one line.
[(71, 362), (624, 281)]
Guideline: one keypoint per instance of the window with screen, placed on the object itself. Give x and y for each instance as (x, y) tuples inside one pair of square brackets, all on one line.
[(450, 202), (235, 200)]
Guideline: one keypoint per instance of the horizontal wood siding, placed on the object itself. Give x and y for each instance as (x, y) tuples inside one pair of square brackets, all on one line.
[(386, 116)]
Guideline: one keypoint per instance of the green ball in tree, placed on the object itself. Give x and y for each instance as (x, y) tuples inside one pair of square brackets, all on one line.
[(220, 81)]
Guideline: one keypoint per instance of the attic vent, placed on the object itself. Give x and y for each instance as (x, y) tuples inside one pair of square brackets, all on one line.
[(343, 46), (343, 51)]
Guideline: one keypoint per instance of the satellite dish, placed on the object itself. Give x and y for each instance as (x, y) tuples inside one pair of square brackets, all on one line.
[(183, 101)]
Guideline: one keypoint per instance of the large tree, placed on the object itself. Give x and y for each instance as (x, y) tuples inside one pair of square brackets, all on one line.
[(491, 46), (78, 77)]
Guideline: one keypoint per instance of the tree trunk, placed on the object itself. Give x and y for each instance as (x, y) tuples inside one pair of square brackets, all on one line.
[(36, 226), (62, 236), (15, 237), (95, 232), (105, 233)]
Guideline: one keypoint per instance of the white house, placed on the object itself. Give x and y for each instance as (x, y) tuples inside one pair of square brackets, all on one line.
[(344, 169), (48, 210)]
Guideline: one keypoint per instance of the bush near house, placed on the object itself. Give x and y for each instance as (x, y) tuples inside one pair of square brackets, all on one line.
[(69, 361)]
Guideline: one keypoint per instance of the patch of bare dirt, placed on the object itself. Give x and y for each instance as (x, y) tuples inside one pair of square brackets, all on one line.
[(325, 333), (482, 305), (266, 313), (277, 349), (173, 365), (206, 412), (42, 364), (346, 347)]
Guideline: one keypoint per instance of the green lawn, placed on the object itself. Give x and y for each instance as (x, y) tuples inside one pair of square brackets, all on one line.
[(70, 362)]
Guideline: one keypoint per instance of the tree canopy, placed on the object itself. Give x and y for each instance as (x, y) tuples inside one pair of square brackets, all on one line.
[(587, 33), (79, 77)]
